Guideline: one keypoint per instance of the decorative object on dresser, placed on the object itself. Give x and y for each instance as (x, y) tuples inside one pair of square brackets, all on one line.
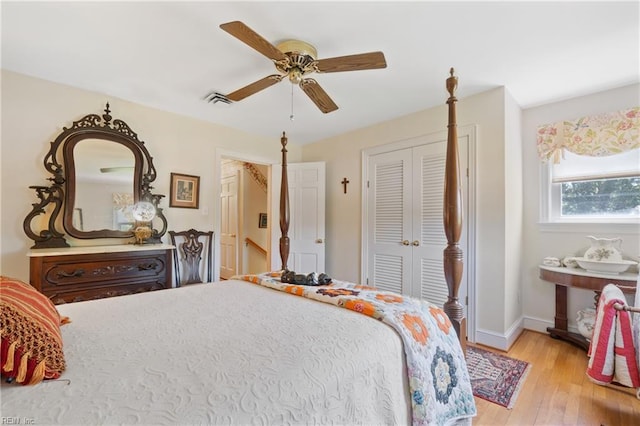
[(96, 152), (604, 256), (194, 252), (143, 212), (604, 249), (75, 274), (585, 320), (605, 266)]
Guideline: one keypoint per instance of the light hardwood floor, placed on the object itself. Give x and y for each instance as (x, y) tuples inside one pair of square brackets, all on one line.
[(557, 390)]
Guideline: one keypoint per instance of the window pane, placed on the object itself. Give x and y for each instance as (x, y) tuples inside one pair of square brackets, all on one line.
[(603, 197)]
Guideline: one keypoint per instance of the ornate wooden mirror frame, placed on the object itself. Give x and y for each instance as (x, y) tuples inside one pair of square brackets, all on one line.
[(61, 194)]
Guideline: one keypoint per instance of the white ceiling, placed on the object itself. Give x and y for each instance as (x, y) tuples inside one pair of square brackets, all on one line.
[(169, 55)]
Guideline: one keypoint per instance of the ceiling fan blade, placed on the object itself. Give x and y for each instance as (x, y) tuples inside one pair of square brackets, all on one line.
[(254, 87), (363, 61), (318, 95), (254, 40)]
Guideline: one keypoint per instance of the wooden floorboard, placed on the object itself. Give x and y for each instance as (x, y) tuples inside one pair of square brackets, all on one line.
[(557, 390)]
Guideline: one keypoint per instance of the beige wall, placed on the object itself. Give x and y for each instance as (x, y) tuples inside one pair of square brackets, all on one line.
[(513, 219), (33, 114)]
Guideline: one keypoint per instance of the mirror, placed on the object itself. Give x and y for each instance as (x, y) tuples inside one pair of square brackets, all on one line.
[(101, 187), (104, 186), (104, 170)]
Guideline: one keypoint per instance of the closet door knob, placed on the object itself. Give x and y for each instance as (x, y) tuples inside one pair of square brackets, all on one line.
[(405, 243), (416, 243)]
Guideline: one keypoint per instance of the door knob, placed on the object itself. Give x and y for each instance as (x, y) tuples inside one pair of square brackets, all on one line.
[(416, 243), (232, 235), (319, 241), (405, 243)]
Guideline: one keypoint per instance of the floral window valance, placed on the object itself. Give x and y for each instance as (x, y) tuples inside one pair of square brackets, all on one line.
[(597, 135)]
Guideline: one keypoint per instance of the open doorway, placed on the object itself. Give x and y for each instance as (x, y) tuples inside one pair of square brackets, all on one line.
[(244, 221)]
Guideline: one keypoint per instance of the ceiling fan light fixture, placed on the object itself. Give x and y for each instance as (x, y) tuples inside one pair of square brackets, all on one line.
[(301, 59), (295, 75), (298, 47)]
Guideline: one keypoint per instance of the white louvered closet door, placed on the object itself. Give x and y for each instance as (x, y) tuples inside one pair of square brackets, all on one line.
[(405, 204), (429, 239), (390, 224)]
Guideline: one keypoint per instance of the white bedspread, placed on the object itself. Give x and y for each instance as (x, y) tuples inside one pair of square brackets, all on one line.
[(222, 353)]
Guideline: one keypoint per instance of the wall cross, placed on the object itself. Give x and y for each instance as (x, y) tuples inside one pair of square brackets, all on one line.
[(344, 184)]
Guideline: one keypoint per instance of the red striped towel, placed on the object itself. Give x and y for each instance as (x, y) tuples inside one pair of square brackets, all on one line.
[(612, 356), (636, 330)]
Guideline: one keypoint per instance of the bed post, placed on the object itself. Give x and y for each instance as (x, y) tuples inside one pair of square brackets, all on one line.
[(452, 218), (284, 206)]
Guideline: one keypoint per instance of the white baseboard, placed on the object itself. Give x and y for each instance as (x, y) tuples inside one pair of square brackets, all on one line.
[(501, 341), (540, 325), (537, 324), (504, 341)]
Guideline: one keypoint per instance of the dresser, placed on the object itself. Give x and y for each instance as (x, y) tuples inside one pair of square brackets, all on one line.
[(74, 274)]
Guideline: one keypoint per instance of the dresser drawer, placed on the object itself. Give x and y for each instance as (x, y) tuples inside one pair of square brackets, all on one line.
[(76, 277), (62, 271)]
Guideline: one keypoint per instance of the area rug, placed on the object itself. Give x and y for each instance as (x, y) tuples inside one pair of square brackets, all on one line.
[(494, 377)]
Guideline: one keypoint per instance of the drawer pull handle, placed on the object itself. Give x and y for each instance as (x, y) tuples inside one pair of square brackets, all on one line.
[(147, 266), (76, 273)]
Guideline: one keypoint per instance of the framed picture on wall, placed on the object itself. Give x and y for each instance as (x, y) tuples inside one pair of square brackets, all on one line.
[(185, 191), (262, 221)]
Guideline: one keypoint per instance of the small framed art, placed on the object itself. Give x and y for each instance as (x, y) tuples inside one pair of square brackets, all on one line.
[(262, 221), (185, 191)]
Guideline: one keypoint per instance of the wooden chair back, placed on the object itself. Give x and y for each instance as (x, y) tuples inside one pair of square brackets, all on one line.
[(193, 254)]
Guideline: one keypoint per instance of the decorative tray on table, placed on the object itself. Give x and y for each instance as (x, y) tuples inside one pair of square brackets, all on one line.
[(604, 266)]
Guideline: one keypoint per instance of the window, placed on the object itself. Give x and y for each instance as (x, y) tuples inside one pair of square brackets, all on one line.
[(591, 168), (596, 188)]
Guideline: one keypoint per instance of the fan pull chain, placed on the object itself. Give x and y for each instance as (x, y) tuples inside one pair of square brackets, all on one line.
[(291, 116)]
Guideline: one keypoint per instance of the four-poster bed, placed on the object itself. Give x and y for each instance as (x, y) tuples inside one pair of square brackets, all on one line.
[(238, 352)]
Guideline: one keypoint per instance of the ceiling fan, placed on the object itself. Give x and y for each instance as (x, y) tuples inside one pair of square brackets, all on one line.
[(296, 59)]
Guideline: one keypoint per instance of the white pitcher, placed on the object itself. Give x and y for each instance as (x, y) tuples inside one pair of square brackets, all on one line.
[(604, 249)]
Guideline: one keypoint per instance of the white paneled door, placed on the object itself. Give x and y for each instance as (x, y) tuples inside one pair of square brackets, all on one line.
[(404, 222), (306, 217), (228, 226), (306, 226)]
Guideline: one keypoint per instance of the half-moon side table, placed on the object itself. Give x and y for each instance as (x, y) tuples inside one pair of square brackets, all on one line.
[(579, 278)]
